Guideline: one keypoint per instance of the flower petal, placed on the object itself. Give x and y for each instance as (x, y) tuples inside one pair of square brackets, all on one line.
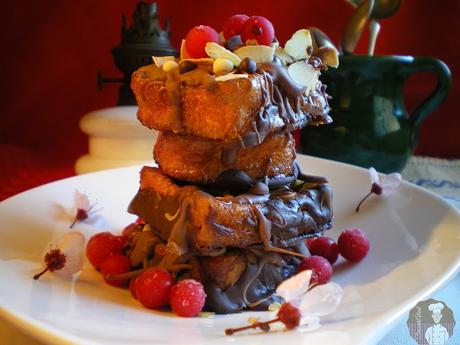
[(81, 200), (72, 245), (321, 300), (373, 175), (292, 289), (390, 183)]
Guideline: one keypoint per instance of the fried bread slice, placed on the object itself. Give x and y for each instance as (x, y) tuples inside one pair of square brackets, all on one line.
[(198, 222), (201, 161), (197, 103)]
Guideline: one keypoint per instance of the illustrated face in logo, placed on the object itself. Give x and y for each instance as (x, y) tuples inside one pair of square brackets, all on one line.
[(436, 308), (431, 322)]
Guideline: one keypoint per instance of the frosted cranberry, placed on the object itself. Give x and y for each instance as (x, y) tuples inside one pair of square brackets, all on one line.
[(196, 40), (153, 288), (187, 298), (260, 29), (353, 244), (325, 247), (321, 269), (101, 246), (116, 264), (233, 26)]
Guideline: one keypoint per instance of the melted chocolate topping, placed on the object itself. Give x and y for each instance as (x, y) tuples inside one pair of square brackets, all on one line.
[(255, 288)]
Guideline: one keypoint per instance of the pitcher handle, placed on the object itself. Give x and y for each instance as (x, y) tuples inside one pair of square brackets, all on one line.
[(438, 95)]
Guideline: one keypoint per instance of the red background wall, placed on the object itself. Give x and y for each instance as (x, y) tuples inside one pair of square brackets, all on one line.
[(53, 49)]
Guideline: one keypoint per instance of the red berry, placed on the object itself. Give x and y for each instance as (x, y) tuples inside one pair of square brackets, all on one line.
[(325, 247), (153, 288), (116, 264), (187, 298), (260, 29), (139, 221), (132, 287), (353, 244), (233, 26), (322, 269), (196, 40), (101, 246), (309, 242)]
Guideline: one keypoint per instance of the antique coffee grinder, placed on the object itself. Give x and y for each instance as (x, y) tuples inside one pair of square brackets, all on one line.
[(140, 41), (116, 138)]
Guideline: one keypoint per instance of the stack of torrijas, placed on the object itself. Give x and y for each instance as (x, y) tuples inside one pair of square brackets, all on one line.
[(227, 204)]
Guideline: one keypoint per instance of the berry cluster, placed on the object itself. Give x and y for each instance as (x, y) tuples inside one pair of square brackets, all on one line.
[(154, 287), (353, 245), (252, 30)]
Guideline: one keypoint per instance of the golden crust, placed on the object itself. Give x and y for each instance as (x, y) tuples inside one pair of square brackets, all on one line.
[(222, 111), (200, 161)]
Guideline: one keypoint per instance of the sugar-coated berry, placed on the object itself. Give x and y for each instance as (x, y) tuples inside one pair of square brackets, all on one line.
[(153, 288), (196, 40), (353, 244), (102, 245), (325, 247), (233, 26), (321, 269), (260, 29), (116, 264), (132, 287), (187, 298)]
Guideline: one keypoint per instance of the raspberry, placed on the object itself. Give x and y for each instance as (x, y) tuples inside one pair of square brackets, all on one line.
[(196, 40), (187, 298), (353, 244), (116, 264), (260, 29), (325, 247), (101, 246), (233, 26), (322, 269), (153, 288)]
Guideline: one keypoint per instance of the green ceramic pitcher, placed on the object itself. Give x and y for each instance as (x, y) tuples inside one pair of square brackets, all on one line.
[(371, 125)]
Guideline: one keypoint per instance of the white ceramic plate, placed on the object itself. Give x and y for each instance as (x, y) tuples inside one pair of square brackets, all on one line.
[(415, 248)]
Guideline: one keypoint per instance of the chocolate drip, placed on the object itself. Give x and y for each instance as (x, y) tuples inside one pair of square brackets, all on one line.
[(282, 78), (255, 287), (309, 178)]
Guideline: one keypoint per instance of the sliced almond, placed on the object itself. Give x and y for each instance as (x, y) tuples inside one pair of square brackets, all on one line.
[(231, 76), (298, 45), (216, 51), (160, 60), (183, 51), (304, 74), (283, 56), (202, 61), (259, 53), (329, 56)]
